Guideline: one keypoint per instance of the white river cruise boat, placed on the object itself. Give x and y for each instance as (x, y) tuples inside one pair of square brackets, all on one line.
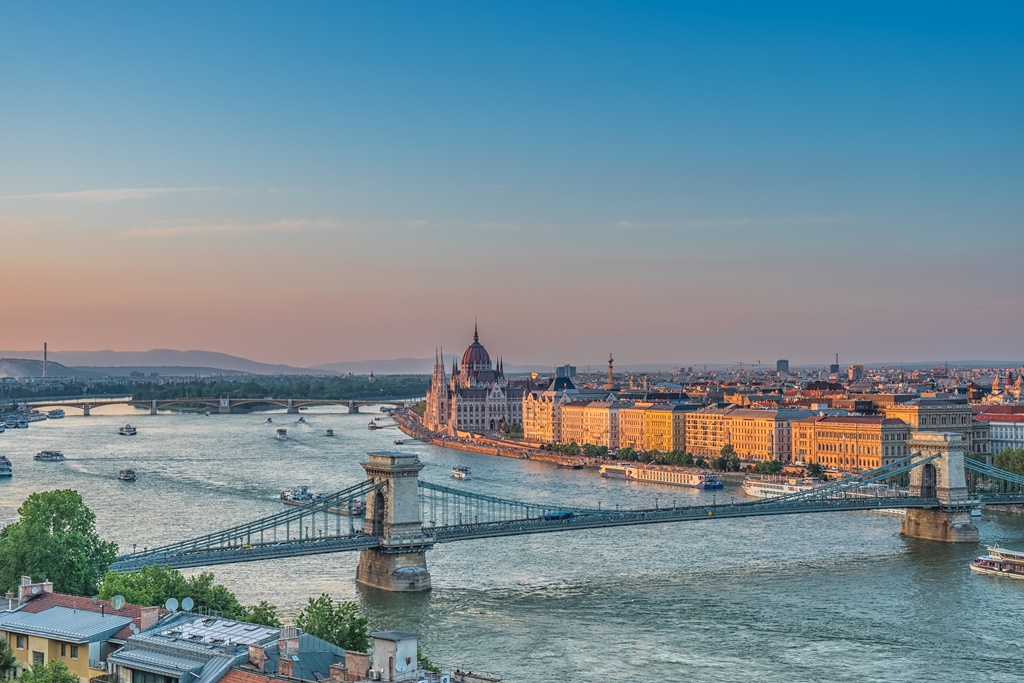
[(770, 488), (1000, 562), (5, 467), (56, 414), (462, 473), (50, 456), (695, 479)]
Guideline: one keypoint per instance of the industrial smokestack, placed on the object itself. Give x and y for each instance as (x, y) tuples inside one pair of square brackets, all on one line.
[(44, 359)]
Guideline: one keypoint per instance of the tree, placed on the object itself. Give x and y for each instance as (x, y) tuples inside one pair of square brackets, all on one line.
[(263, 613), (814, 470), (55, 538), (769, 467), (627, 454), (1011, 460), (727, 450), (336, 622), (54, 671), (425, 663), (7, 660), (152, 585)]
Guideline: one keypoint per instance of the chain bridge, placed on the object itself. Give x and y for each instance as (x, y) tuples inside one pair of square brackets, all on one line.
[(405, 516)]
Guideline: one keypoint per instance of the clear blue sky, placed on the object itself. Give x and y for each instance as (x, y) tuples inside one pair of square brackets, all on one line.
[(315, 182)]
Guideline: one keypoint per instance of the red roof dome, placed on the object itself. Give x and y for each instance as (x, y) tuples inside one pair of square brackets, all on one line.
[(476, 355)]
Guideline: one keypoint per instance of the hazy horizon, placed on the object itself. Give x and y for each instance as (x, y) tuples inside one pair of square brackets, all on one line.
[(314, 184)]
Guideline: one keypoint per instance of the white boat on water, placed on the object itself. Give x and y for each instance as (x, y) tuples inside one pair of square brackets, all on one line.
[(462, 473), (1000, 562), (35, 416), (3, 427), (299, 496), (771, 488), (282, 433), (21, 424), (127, 430), (11, 423), (50, 456), (126, 475), (55, 414), (5, 467)]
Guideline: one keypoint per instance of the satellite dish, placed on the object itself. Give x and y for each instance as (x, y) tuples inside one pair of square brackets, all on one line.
[(118, 601), (171, 605), (35, 589), (187, 604), (135, 629)]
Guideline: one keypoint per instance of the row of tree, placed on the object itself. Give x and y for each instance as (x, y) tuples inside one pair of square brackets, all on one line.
[(1011, 460), (55, 539), (330, 388)]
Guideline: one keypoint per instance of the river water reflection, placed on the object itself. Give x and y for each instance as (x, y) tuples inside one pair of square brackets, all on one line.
[(838, 597)]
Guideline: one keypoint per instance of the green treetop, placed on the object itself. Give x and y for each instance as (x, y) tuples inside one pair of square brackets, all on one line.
[(55, 538)]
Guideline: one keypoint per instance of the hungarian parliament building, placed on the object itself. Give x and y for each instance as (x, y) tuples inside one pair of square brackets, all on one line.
[(476, 397)]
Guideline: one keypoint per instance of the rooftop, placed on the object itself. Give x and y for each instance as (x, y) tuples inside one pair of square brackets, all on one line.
[(63, 623)]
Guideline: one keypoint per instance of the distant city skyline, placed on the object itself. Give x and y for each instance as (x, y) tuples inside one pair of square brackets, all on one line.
[(671, 183)]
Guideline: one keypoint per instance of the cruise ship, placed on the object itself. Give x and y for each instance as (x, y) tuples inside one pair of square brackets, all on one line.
[(50, 456), (696, 479), (56, 414), (5, 467), (771, 488)]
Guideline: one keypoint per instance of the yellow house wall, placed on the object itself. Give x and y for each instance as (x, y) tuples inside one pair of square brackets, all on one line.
[(51, 651)]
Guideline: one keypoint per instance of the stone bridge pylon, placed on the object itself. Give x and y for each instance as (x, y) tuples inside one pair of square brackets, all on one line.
[(942, 478), (399, 563)]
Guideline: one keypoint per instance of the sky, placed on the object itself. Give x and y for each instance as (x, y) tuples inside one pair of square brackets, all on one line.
[(672, 182)]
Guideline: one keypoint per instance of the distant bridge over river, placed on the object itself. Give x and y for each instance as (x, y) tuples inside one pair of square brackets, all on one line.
[(221, 406)]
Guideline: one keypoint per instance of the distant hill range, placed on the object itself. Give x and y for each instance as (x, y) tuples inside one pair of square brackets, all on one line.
[(21, 367), (172, 362)]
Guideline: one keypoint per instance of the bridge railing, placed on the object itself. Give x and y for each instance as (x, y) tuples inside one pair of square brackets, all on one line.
[(991, 475)]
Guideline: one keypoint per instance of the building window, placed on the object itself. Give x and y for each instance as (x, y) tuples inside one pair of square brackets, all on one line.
[(22, 640), (63, 650), (74, 652), (37, 659)]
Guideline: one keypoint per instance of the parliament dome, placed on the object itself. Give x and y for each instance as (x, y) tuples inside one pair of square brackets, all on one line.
[(476, 356)]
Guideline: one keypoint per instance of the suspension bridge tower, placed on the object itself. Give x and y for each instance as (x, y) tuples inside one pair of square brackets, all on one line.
[(942, 478), (399, 563)]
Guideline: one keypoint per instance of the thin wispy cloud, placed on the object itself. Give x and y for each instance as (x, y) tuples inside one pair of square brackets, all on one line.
[(497, 226), (119, 194), (291, 225)]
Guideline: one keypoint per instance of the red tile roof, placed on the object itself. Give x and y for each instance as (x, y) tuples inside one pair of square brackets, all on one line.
[(999, 417), (44, 601)]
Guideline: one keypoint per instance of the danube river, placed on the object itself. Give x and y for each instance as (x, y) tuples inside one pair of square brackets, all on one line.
[(838, 597)]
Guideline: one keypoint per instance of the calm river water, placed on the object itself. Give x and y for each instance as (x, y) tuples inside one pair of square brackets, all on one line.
[(838, 597)]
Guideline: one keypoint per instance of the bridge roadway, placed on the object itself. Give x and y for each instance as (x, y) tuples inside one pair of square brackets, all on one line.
[(219, 405), (464, 532)]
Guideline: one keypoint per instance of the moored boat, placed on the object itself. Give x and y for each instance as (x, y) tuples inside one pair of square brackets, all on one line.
[(50, 456), (35, 416), (771, 488), (691, 478), (11, 423), (571, 464), (399, 442), (55, 414), (372, 426), (1000, 562), (462, 472), (3, 427), (6, 470), (282, 434), (299, 496), (126, 475), (127, 430), (21, 424)]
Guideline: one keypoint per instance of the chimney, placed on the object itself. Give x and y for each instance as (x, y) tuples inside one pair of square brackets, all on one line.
[(44, 360), (284, 667), (148, 616)]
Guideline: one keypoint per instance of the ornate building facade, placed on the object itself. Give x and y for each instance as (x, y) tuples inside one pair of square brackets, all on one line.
[(476, 398)]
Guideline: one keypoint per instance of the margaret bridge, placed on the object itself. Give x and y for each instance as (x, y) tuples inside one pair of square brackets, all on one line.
[(214, 405), (406, 517)]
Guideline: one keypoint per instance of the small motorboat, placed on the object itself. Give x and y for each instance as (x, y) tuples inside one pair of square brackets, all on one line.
[(372, 426), (329, 432), (270, 419), (6, 470), (126, 475), (399, 442), (50, 456), (462, 472), (127, 430), (282, 433), (299, 496), (301, 419)]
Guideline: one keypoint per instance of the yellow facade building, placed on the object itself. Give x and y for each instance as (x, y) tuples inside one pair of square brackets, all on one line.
[(849, 444), (942, 415), (755, 435)]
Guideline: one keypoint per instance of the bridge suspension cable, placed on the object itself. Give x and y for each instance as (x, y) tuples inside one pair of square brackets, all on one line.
[(314, 521), (445, 506)]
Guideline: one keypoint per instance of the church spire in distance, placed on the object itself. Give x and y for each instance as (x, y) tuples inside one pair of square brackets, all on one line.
[(476, 335)]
